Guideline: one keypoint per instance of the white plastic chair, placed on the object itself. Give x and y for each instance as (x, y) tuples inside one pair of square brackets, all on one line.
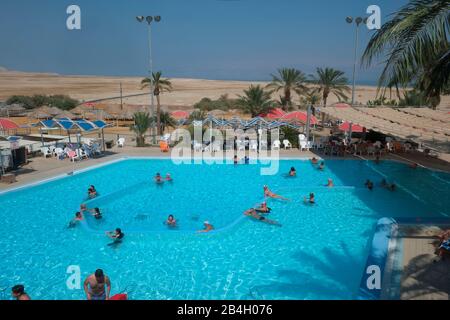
[(240, 145), (287, 144), (253, 145), (121, 142), (46, 152), (198, 146), (81, 154), (58, 152), (263, 145)]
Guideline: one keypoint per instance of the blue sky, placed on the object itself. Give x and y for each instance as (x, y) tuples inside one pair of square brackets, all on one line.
[(213, 39)]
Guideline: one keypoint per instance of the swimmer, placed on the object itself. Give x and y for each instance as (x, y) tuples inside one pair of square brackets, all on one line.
[(270, 194), (292, 172), (314, 160), (18, 293), (263, 208), (413, 165), (235, 160), (96, 213), (247, 160), (95, 285), (78, 217), (330, 183), (83, 208), (255, 215), (311, 199), (369, 185), (92, 192), (158, 178), (208, 227), (322, 166), (171, 222), (116, 235), (168, 177)]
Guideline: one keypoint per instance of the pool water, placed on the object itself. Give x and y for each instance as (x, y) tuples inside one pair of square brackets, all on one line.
[(318, 253)]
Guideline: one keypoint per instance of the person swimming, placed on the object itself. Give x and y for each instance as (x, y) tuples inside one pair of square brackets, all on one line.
[(322, 166), (116, 235), (263, 208), (169, 177), (235, 160), (246, 160), (158, 178), (369, 185), (314, 160), (96, 213), (207, 227), (330, 183), (270, 194), (171, 222), (74, 222), (252, 213), (92, 192), (413, 165), (83, 208), (292, 172), (389, 186), (18, 293), (311, 199)]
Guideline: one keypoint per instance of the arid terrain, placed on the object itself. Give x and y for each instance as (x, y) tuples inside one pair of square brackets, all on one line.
[(185, 92)]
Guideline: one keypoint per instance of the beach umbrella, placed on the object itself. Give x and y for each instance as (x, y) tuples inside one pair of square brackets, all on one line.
[(276, 113), (299, 116), (354, 127), (180, 114)]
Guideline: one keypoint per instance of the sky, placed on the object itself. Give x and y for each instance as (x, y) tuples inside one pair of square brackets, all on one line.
[(208, 39)]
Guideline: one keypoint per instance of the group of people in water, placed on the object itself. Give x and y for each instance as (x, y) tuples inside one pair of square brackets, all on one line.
[(160, 180), (384, 184)]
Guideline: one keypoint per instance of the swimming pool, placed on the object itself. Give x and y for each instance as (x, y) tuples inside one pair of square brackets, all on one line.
[(318, 253)]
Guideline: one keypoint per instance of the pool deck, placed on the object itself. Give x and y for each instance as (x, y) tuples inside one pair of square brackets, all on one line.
[(423, 275), (40, 168)]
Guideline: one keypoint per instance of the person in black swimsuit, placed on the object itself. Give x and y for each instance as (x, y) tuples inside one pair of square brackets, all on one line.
[(255, 215), (116, 235)]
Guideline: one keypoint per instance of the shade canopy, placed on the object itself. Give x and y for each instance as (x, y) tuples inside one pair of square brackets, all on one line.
[(300, 117), (276, 113), (67, 124), (180, 114), (355, 127), (6, 124)]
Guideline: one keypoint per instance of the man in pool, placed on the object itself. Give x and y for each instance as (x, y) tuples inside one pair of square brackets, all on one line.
[(18, 293), (94, 286), (311, 200), (270, 194), (263, 208), (330, 183), (314, 160), (369, 185), (292, 172), (96, 213), (171, 222), (158, 178), (255, 215), (322, 166), (208, 227), (235, 160), (74, 222), (116, 235)]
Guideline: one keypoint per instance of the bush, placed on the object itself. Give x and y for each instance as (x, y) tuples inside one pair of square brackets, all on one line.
[(223, 103), (62, 102), (291, 134)]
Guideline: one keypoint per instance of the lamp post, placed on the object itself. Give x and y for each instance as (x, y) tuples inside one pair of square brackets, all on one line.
[(357, 21), (149, 20)]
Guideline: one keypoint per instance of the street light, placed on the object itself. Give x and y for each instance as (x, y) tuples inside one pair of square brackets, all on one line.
[(357, 21), (149, 20)]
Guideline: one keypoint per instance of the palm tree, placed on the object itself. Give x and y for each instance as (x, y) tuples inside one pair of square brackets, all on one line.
[(197, 115), (142, 122), (288, 80), (159, 85), (331, 81), (310, 98), (167, 121), (256, 101), (415, 45)]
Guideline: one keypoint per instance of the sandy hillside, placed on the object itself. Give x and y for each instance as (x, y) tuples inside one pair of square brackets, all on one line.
[(186, 91)]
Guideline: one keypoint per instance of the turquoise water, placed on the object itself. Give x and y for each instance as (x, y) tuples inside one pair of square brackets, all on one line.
[(318, 253)]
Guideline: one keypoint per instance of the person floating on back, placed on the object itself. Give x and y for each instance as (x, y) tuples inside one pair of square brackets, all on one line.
[(18, 293), (94, 286), (255, 215), (207, 227), (270, 194)]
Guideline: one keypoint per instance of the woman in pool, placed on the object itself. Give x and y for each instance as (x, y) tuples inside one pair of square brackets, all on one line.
[(116, 235), (322, 166), (255, 215), (92, 192), (330, 183), (169, 177), (292, 172), (263, 208), (235, 160), (208, 227), (96, 213), (270, 194), (311, 200), (74, 222), (314, 160), (171, 222)]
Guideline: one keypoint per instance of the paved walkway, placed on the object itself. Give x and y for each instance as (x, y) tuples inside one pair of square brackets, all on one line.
[(424, 276)]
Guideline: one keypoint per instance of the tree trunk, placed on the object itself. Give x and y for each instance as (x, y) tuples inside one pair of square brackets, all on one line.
[(325, 98), (158, 115)]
